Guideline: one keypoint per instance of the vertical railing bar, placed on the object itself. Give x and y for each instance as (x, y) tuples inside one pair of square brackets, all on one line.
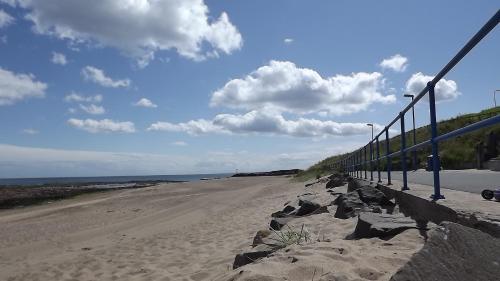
[(435, 148), (378, 160), (388, 152), (371, 160), (365, 166), (403, 153)]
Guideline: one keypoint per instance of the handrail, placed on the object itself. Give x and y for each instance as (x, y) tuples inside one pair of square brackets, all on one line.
[(354, 161)]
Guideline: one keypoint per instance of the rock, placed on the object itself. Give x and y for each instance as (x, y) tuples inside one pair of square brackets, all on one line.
[(349, 205), (353, 184), (267, 237), (259, 237), (454, 252), (335, 182), (307, 207), (381, 225), (278, 223), (305, 197), (258, 252), (371, 195), (288, 209), (286, 212)]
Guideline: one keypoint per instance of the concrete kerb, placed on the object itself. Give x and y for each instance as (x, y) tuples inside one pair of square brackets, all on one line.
[(465, 208)]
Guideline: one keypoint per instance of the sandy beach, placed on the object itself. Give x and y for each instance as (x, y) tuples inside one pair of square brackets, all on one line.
[(186, 231)]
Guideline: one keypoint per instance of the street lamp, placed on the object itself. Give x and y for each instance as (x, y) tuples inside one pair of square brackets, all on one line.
[(370, 125), (414, 133), (494, 97)]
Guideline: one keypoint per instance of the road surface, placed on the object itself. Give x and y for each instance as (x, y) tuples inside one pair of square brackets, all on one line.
[(473, 181)]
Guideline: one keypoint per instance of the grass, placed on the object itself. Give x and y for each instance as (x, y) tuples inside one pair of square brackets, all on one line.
[(456, 153), (290, 236)]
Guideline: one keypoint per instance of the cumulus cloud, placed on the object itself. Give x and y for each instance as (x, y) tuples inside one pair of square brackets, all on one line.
[(282, 86), (58, 58), (74, 97), (98, 76), (138, 28), (15, 87), (288, 41), (102, 126), (93, 109), (396, 63), (444, 89), (5, 19), (144, 102), (256, 122)]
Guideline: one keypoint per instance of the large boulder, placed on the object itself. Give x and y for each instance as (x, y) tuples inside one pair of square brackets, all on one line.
[(335, 182), (353, 184), (256, 253), (381, 225), (278, 223), (349, 205), (309, 207), (286, 212), (454, 253), (371, 195)]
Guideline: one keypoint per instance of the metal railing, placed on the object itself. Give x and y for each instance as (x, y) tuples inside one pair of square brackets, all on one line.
[(354, 163)]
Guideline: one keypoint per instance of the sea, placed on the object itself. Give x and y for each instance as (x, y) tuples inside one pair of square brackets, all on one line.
[(111, 181)]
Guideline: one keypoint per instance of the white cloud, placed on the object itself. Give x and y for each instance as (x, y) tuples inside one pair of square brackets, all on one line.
[(145, 103), (16, 87), (98, 76), (58, 58), (256, 122), (74, 97), (30, 131), (288, 41), (138, 28), (444, 89), (102, 126), (5, 19), (179, 143), (93, 109), (19, 161), (396, 63), (282, 86)]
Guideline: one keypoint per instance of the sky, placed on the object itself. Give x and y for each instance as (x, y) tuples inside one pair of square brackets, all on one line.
[(148, 87)]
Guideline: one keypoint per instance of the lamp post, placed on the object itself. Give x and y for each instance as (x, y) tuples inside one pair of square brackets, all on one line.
[(370, 125), (414, 152), (494, 96), (371, 153)]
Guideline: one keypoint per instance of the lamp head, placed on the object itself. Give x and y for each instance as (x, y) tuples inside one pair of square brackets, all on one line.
[(408, 96), (369, 124)]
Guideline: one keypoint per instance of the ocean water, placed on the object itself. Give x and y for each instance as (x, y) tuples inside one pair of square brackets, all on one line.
[(107, 180)]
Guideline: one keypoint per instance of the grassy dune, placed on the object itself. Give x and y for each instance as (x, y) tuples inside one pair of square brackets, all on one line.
[(456, 153)]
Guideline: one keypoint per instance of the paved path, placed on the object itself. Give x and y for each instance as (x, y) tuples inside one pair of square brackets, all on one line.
[(465, 180)]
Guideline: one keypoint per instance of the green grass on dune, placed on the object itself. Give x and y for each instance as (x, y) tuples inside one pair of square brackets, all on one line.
[(456, 153)]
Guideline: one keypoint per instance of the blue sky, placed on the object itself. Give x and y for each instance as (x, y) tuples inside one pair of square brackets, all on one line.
[(91, 88)]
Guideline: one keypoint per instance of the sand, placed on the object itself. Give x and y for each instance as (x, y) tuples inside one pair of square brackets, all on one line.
[(186, 231)]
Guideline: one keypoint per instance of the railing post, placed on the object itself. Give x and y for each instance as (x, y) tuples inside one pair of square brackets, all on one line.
[(365, 166), (358, 157), (378, 161), (388, 151), (403, 153), (371, 158), (435, 148)]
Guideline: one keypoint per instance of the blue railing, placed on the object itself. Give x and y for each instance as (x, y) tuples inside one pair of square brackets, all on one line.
[(355, 163)]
